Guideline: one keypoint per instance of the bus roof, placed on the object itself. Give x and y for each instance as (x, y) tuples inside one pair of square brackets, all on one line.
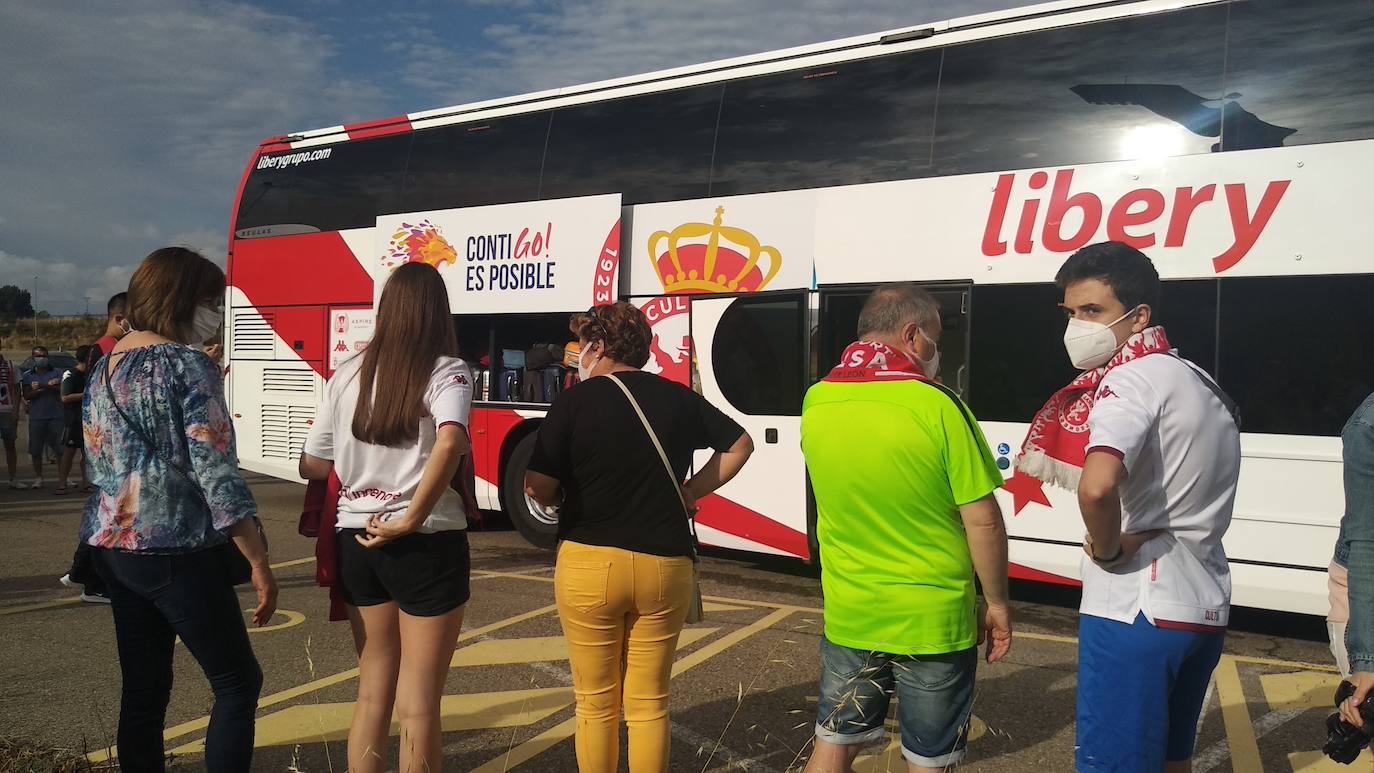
[(951, 31)]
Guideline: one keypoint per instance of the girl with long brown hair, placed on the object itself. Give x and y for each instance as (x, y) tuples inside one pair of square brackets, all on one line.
[(394, 428)]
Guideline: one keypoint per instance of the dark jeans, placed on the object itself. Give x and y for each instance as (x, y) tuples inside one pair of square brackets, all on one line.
[(155, 599)]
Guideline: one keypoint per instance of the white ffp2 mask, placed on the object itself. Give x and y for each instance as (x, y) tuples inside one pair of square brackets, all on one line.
[(1091, 344), (205, 325)]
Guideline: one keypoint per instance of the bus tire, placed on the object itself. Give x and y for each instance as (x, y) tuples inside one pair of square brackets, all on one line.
[(536, 531)]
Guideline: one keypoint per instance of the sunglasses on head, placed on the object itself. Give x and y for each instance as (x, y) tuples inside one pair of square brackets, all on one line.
[(596, 320)]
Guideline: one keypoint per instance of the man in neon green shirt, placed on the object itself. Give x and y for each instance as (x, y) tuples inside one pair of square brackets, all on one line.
[(904, 486)]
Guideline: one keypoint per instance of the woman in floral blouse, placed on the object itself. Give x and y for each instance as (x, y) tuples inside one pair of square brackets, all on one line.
[(160, 447)]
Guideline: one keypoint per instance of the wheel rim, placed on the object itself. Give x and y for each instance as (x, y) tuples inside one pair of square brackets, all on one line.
[(538, 513)]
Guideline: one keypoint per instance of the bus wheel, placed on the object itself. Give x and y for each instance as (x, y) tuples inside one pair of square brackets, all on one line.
[(525, 515)]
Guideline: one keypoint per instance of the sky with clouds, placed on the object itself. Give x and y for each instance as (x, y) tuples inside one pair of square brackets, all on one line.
[(127, 126)]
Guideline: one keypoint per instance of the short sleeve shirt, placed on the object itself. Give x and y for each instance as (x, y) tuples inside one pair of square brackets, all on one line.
[(48, 405), (891, 462), (381, 479), (73, 383), (1181, 450), (615, 490)]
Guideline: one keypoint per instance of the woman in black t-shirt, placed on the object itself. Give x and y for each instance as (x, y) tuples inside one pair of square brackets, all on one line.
[(623, 580)]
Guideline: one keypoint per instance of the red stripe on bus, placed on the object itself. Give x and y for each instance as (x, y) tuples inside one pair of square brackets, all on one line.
[(395, 125), (735, 519)]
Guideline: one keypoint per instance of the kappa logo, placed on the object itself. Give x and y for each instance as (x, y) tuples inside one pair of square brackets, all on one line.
[(460, 379), (1106, 392)]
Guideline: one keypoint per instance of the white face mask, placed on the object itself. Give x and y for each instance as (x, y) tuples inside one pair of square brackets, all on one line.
[(1091, 344), (930, 367), (205, 325), (584, 372)]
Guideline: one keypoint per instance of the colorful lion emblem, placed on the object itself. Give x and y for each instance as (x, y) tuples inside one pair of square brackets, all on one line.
[(422, 242)]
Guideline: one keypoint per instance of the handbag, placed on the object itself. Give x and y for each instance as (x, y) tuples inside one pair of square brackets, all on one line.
[(695, 612), (240, 571)]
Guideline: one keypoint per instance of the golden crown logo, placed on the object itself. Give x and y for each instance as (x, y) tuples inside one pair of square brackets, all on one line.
[(710, 266)]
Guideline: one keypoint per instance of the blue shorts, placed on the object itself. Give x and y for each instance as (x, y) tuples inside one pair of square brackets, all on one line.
[(934, 700), (1140, 692)]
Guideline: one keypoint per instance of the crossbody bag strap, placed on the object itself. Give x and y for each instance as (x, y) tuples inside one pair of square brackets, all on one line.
[(147, 438), (1226, 400), (663, 457)]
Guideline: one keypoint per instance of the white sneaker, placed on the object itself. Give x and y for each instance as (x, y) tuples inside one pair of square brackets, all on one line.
[(95, 598), (14, 484), (66, 580), (37, 483)]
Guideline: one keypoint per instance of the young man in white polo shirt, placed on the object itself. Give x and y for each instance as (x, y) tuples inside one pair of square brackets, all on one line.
[(1152, 446)]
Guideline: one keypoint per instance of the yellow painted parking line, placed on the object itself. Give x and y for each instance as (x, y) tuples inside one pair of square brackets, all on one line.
[(187, 728), (294, 562), (538, 649), (319, 723), (1240, 732), (293, 619), (45, 605), (566, 729)]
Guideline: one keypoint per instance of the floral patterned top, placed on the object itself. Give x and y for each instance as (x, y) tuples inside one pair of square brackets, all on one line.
[(175, 393)]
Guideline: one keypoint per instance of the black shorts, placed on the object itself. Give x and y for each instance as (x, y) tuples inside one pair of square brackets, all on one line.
[(425, 574), (71, 435)]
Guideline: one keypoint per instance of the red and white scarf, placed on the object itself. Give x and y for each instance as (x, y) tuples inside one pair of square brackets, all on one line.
[(872, 361), (1057, 443)]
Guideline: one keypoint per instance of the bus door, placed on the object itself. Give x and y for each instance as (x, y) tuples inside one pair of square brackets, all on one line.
[(839, 324), (751, 354)]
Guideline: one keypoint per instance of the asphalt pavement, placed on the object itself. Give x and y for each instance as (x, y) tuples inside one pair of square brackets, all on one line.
[(743, 692)]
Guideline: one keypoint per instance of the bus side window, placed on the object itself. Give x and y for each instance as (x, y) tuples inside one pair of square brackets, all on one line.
[(1295, 350), (357, 181), (494, 161), (1010, 103), (852, 122), (1320, 86), (651, 147)]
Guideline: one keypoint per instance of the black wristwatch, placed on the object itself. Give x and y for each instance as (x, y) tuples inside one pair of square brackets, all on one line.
[(1120, 551)]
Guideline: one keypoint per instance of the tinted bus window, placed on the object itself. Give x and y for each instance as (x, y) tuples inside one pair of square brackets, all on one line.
[(1017, 358), (348, 188), (1295, 350), (1114, 90), (1188, 312), (1299, 72), (654, 147), (851, 122), (474, 164), (760, 355)]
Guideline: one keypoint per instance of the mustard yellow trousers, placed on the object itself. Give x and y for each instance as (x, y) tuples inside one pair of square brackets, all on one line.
[(622, 612)]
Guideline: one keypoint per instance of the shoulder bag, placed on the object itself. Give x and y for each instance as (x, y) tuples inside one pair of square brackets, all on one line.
[(695, 613), (240, 571)]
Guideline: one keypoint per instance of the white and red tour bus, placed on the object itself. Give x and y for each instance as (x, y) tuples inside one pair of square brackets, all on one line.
[(749, 205)]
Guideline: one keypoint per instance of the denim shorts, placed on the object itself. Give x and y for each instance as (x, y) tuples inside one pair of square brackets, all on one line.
[(934, 700)]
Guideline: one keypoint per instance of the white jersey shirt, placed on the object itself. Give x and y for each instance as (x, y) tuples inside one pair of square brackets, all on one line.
[(380, 479), (1181, 449)]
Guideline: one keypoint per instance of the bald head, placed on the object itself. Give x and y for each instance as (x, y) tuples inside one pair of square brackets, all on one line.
[(891, 308)]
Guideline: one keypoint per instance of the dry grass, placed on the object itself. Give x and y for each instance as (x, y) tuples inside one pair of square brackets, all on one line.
[(20, 756), (59, 333)]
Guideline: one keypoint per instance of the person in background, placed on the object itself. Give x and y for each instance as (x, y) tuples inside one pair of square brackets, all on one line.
[(82, 573), (906, 514), (9, 418), (116, 325), (42, 387), (169, 500), (1152, 446), (393, 426), (624, 578), (1355, 552), (72, 390)]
